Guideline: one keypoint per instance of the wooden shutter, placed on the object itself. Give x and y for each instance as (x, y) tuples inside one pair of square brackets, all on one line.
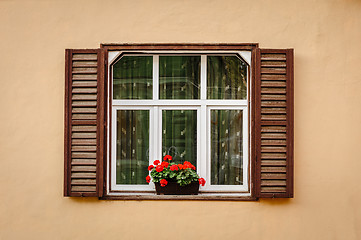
[(274, 123), (84, 123)]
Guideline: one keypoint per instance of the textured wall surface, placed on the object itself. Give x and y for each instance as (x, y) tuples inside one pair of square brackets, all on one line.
[(326, 36)]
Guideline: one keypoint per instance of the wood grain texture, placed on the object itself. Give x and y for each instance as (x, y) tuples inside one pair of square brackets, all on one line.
[(82, 135), (274, 123)]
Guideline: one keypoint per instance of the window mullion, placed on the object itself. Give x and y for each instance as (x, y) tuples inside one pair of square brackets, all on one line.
[(155, 77), (203, 76)]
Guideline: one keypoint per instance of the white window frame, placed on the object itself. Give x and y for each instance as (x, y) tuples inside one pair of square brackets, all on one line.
[(155, 107)]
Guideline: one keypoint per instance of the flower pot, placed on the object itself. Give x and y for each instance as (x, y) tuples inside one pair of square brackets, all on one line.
[(173, 188)]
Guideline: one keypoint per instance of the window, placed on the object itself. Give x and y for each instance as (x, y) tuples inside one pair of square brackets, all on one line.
[(227, 108), (191, 105)]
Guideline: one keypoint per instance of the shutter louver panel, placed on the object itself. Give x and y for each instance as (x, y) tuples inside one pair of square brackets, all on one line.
[(274, 123), (84, 123)]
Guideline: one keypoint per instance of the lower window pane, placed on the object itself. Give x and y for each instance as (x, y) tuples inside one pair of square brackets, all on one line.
[(179, 135), (132, 147), (226, 147)]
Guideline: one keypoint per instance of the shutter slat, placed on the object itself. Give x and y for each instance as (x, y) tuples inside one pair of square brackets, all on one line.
[(83, 148), (84, 103), (83, 168), (85, 77), (266, 70), (273, 169), (84, 175), (273, 176), (268, 77), (85, 64), (83, 129), (87, 84), (89, 162), (274, 123), (85, 90), (85, 141), (273, 149), (273, 64), (273, 163), (273, 84), (84, 57), (87, 182), (273, 183), (84, 97), (83, 188), (84, 70), (275, 190)]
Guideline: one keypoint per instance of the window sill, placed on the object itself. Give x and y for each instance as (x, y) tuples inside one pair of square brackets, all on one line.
[(181, 197)]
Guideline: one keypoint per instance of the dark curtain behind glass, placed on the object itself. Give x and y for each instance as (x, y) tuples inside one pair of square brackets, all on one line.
[(133, 78), (179, 135), (132, 158), (226, 77), (179, 77)]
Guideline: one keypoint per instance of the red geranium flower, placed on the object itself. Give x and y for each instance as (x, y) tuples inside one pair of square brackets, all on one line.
[(174, 168), (150, 167), (156, 162), (187, 164), (167, 157), (180, 166), (148, 179), (163, 182), (159, 168), (165, 164), (202, 181)]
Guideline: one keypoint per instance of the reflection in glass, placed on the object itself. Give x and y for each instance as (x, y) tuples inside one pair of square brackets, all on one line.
[(179, 135), (226, 147), (179, 77), (226, 77), (133, 78), (132, 154)]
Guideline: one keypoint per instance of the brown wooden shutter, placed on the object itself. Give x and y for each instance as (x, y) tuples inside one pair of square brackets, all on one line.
[(84, 123), (274, 123)]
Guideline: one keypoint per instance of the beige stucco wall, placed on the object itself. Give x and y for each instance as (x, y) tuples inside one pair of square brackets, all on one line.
[(326, 36)]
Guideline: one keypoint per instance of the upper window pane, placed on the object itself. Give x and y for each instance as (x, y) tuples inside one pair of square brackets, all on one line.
[(133, 78), (226, 77), (179, 77)]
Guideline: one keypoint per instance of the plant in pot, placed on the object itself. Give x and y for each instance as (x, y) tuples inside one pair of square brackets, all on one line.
[(174, 179)]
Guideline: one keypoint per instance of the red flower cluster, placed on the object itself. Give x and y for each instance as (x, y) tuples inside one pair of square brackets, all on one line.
[(187, 164), (163, 182), (173, 168), (167, 157), (165, 164), (202, 181), (159, 168)]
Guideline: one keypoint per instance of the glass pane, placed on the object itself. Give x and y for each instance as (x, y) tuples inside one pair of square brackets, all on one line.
[(133, 78), (179, 77), (226, 147), (179, 135), (226, 77), (132, 147)]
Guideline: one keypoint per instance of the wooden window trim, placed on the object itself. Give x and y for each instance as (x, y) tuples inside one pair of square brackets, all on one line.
[(254, 114)]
